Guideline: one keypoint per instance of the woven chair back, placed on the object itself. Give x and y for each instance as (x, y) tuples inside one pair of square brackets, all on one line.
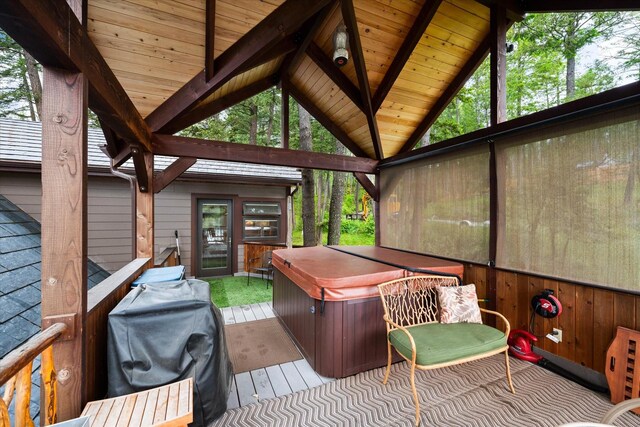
[(413, 300)]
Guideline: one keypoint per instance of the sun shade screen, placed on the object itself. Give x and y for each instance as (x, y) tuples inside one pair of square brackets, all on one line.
[(569, 200), (438, 206)]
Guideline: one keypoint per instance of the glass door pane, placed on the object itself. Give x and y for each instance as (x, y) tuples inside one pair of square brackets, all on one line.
[(214, 221)]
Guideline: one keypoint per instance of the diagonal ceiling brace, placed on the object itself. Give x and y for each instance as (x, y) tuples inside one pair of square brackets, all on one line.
[(173, 171), (271, 31), (349, 16), (368, 186)]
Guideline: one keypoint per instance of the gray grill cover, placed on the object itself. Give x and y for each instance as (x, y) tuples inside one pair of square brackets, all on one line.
[(165, 332)]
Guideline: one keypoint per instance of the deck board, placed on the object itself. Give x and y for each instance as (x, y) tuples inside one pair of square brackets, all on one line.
[(232, 401), (238, 314), (295, 380), (308, 374), (246, 390), (262, 384), (278, 381)]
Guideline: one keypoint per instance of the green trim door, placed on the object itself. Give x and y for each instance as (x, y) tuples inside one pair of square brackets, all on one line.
[(214, 238)]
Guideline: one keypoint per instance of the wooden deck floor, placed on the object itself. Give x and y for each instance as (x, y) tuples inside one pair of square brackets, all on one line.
[(273, 381)]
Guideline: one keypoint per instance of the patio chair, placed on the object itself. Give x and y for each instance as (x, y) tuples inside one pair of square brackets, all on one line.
[(265, 269), (430, 328)]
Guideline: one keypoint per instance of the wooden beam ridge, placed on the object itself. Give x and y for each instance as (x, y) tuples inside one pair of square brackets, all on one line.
[(498, 73), (173, 171), (449, 93), (141, 168), (180, 146), (204, 111), (422, 20), (349, 16), (330, 69), (324, 120), (210, 38), (53, 35), (368, 186), (579, 6), (311, 27), (282, 22)]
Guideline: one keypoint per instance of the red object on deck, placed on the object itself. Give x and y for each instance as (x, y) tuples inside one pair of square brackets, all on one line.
[(521, 346), (345, 276)]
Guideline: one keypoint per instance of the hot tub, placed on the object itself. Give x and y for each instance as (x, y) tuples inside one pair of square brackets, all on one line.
[(327, 299)]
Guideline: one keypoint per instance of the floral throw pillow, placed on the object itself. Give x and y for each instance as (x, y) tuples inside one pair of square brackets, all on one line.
[(459, 304)]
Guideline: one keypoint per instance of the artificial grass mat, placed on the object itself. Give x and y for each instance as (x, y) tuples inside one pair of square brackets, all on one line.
[(234, 291)]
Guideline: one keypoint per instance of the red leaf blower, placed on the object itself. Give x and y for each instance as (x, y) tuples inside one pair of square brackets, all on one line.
[(521, 342)]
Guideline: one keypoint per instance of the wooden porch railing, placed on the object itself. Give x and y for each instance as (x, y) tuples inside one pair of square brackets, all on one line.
[(101, 299), (15, 374)]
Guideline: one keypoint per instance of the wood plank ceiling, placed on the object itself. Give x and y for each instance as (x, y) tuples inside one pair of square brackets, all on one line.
[(156, 47)]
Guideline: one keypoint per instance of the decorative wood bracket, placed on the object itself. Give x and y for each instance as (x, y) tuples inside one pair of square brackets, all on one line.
[(173, 171), (140, 167)]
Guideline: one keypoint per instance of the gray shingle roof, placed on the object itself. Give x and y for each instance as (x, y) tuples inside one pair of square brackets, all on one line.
[(20, 258), (20, 142)]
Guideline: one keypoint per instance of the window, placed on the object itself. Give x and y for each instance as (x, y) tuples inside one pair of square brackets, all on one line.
[(261, 220)]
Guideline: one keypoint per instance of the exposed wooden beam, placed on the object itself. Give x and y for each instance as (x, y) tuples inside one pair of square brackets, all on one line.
[(141, 168), (173, 171), (579, 5), (498, 47), (52, 34), (325, 121), (513, 8), (204, 111), (330, 69), (368, 186), (422, 20), (180, 146), (449, 93), (284, 116), (210, 38), (349, 16), (312, 27), (276, 27)]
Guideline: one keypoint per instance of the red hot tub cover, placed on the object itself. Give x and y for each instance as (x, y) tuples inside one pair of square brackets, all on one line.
[(345, 276)]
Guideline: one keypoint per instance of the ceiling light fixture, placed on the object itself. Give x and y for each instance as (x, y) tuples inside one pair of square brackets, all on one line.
[(340, 41)]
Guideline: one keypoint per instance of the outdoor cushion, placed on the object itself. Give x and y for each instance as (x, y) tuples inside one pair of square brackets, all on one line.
[(459, 304), (440, 343)]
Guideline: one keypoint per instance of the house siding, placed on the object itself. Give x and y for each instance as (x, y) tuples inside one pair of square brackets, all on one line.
[(109, 213)]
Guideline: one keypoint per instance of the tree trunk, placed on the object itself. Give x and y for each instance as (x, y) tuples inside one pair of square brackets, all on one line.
[(356, 197), (271, 114), (34, 80), (634, 168), (308, 183), (322, 202), (571, 77), (253, 129), (335, 205)]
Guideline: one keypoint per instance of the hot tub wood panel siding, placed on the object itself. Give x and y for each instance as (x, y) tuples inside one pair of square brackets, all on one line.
[(349, 337), (292, 307)]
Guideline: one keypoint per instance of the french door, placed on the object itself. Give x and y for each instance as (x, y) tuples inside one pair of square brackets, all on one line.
[(214, 238)]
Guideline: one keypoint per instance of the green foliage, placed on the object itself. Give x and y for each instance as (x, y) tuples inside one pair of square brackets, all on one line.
[(15, 92), (234, 291)]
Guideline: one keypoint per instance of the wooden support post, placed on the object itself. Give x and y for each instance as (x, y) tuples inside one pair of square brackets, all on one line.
[(144, 215), (498, 42), (64, 226), (376, 210)]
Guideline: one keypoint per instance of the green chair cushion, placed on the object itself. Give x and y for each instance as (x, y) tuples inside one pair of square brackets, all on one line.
[(441, 343)]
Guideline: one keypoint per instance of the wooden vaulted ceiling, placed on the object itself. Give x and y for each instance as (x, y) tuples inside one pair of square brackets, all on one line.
[(412, 51), (155, 67)]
